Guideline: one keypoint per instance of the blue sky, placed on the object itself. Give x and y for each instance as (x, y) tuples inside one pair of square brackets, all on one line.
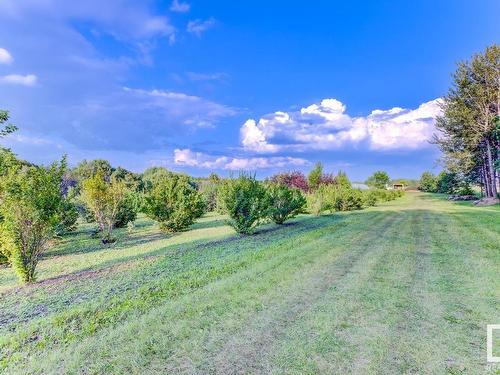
[(200, 86)]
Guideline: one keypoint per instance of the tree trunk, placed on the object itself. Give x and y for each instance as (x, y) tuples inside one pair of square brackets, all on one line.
[(491, 171)]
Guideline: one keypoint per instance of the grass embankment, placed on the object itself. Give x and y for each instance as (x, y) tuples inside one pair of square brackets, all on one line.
[(406, 287)]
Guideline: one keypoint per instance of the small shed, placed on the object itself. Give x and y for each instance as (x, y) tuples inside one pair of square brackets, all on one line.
[(398, 186)]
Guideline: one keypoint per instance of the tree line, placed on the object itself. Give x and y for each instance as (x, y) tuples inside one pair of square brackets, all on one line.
[(40, 203)]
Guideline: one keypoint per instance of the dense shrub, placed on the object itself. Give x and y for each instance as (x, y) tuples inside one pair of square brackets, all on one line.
[(30, 210), (244, 200), (127, 211), (68, 216), (173, 202), (346, 199), (369, 198), (283, 202)]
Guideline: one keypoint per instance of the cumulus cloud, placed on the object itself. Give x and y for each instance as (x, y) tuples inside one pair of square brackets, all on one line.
[(178, 6), (18, 79), (198, 27), (326, 125), (187, 157), (5, 56)]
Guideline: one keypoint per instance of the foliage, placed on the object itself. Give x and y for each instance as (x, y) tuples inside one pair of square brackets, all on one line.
[(469, 126), (104, 199), (208, 190), (379, 180), (428, 182), (317, 201), (381, 195), (315, 175), (173, 201), (87, 169), (5, 128), (283, 202), (342, 180), (30, 211), (346, 199), (68, 216), (127, 211), (291, 179), (334, 198), (447, 183), (244, 200)]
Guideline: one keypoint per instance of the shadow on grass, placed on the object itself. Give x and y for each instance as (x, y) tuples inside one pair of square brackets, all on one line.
[(265, 235)]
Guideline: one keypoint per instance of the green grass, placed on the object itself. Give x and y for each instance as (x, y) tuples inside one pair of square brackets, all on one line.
[(405, 287)]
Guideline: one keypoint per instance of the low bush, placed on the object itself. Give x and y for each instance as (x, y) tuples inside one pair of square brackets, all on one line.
[(173, 202), (345, 199), (244, 200), (283, 202)]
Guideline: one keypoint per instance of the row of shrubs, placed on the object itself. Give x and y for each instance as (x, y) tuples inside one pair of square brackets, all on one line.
[(37, 203)]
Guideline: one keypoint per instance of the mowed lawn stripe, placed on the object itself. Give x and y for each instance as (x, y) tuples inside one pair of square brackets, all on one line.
[(399, 288), (289, 254)]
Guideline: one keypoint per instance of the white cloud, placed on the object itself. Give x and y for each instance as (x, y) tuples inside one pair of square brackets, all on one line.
[(187, 109), (192, 76), (187, 157), (326, 126), (18, 79), (198, 27), (123, 19), (5, 56), (178, 6)]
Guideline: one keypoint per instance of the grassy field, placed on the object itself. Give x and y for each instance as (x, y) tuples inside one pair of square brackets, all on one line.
[(405, 287)]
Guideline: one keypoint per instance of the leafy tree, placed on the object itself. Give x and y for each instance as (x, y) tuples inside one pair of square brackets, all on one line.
[(470, 121), (87, 169), (5, 127), (30, 210), (428, 182), (378, 180), (104, 199), (173, 202), (315, 176), (291, 179), (342, 180), (283, 202), (447, 183), (244, 200)]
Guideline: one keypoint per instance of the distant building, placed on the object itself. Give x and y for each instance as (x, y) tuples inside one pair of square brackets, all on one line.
[(398, 187)]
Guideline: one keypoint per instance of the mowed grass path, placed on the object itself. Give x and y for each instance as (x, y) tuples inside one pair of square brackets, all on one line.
[(406, 287)]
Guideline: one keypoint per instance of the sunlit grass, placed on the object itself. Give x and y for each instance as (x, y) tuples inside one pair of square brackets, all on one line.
[(406, 287)]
